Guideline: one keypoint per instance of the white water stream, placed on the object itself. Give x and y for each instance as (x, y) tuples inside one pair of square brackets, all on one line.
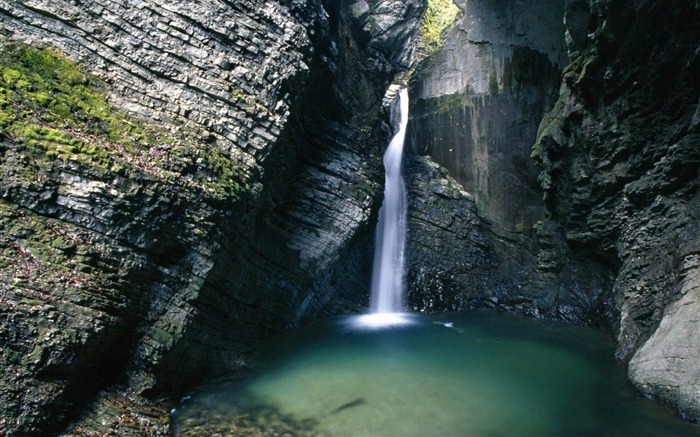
[(388, 273)]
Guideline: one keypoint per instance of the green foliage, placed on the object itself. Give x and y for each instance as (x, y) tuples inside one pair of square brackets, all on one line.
[(58, 113), (438, 17), (447, 103), (227, 174), (56, 110)]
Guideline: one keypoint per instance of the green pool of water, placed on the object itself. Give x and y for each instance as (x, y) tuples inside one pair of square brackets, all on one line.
[(474, 374)]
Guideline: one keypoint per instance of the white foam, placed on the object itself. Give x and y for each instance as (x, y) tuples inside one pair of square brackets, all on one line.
[(381, 320)]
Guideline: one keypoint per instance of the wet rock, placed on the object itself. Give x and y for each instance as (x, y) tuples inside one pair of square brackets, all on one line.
[(665, 367), (476, 108), (606, 242), (477, 104), (118, 411), (446, 246), (619, 164), (456, 262)]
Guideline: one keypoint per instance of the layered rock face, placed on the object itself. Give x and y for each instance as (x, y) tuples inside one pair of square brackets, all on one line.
[(172, 261), (620, 158), (153, 259)]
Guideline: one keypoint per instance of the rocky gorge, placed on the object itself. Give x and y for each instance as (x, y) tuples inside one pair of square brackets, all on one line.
[(181, 181)]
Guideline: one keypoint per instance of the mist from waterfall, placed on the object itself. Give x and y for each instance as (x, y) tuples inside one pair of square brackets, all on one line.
[(388, 273)]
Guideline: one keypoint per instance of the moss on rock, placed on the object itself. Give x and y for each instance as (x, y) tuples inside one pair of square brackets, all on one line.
[(53, 112)]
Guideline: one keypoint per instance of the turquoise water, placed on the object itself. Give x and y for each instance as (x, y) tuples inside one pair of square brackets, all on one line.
[(474, 374)]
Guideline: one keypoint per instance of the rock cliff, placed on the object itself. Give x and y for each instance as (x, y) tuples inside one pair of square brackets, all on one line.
[(181, 180), (477, 106), (619, 155), (223, 192), (604, 230)]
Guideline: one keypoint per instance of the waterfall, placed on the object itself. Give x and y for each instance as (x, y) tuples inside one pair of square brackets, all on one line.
[(388, 273)]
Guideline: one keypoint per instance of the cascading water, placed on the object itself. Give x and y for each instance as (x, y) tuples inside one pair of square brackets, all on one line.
[(461, 375), (388, 273)]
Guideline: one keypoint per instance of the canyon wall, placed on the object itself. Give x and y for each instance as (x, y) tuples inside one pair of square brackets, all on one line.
[(245, 212), (603, 229), (619, 156), (477, 105), (239, 195)]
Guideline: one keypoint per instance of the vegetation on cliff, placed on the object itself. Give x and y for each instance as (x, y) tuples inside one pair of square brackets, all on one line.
[(439, 16), (91, 198), (54, 111)]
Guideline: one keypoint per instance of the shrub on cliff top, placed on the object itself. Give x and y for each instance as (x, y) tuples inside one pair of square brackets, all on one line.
[(439, 16)]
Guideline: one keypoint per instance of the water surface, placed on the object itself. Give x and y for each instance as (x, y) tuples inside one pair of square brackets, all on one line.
[(474, 374)]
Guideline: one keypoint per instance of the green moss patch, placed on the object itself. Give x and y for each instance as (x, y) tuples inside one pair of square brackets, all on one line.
[(54, 109), (53, 112), (447, 103), (40, 254)]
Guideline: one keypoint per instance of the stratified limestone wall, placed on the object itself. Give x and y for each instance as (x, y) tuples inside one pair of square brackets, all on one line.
[(134, 274), (113, 263), (226, 68)]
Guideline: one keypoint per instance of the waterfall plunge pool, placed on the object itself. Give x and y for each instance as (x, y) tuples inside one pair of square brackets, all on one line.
[(472, 374)]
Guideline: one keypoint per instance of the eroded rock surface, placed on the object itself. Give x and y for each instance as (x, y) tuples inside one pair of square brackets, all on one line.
[(123, 281), (445, 230), (606, 233)]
